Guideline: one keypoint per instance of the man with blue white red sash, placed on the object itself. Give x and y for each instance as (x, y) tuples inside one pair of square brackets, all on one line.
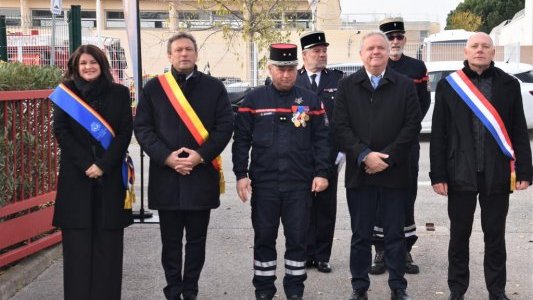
[(479, 148)]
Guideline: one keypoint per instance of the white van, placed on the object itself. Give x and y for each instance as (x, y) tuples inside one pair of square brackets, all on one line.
[(523, 72)]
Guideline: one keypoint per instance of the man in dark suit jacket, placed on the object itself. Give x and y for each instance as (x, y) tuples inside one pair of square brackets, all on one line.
[(316, 77), (377, 119), (467, 163), (416, 70), (183, 183)]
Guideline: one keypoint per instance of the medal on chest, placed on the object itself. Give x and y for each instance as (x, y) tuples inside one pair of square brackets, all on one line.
[(299, 115)]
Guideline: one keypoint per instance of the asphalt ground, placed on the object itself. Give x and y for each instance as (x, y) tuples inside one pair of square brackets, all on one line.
[(228, 270)]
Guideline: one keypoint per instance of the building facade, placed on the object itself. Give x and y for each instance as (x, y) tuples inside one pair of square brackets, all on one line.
[(160, 19)]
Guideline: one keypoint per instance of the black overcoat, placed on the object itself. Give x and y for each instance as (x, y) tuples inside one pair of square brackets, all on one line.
[(79, 150), (452, 154), (160, 131), (385, 120)]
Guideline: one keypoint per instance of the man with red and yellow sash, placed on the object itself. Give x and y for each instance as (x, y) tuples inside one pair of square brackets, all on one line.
[(479, 149), (184, 121)]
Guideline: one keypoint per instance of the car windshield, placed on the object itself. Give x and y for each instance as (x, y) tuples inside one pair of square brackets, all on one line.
[(525, 77), (435, 77)]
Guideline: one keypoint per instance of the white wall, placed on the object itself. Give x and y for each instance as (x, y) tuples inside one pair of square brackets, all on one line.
[(519, 30)]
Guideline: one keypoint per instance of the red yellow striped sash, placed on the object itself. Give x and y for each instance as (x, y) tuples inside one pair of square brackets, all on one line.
[(189, 117)]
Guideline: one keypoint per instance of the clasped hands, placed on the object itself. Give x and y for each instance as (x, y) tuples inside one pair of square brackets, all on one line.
[(183, 160), (94, 172), (374, 162)]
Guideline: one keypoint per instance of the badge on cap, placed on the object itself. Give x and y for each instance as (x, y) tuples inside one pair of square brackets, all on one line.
[(390, 25), (312, 39), (283, 54)]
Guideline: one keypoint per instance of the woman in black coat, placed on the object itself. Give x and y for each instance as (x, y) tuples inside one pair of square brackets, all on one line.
[(90, 197)]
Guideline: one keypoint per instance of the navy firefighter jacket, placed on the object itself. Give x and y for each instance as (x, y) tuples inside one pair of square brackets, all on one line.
[(288, 137)]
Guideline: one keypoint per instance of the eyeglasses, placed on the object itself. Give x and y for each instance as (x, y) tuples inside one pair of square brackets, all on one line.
[(399, 37)]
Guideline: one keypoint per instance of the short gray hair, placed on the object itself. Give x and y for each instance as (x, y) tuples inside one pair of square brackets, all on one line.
[(480, 33), (374, 33), (181, 35)]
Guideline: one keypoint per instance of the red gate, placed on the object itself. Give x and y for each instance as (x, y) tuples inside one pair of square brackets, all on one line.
[(28, 174)]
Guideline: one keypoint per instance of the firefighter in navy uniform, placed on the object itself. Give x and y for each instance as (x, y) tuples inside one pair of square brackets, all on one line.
[(415, 69), (316, 77), (284, 126)]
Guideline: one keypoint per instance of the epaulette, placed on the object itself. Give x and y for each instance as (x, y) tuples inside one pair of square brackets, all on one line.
[(336, 70)]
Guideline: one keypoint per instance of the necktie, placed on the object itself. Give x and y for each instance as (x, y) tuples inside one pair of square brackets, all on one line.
[(314, 86), (375, 80)]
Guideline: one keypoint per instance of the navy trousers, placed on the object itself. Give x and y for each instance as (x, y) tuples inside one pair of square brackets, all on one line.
[(322, 222), (409, 226), (362, 203), (268, 207)]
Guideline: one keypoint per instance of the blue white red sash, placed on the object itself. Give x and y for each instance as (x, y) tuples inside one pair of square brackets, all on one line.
[(486, 113), (98, 127)]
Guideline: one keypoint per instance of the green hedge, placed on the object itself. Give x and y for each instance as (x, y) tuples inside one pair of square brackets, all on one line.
[(18, 76)]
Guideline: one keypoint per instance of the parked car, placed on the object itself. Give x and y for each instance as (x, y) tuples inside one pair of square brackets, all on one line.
[(522, 72), (237, 89)]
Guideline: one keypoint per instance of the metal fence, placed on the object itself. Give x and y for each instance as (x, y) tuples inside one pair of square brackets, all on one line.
[(337, 58), (31, 43), (28, 174), (45, 42)]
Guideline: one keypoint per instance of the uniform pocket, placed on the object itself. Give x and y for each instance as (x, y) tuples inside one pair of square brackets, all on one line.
[(302, 137), (263, 134)]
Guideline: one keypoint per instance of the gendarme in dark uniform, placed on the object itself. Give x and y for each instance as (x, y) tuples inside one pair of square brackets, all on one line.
[(416, 70), (323, 82), (284, 126)]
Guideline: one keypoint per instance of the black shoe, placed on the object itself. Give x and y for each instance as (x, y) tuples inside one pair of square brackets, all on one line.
[(399, 294), (190, 297), (379, 263), (500, 296), (358, 295), (456, 296), (323, 267), (410, 267), (263, 296), (295, 297), (310, 264)]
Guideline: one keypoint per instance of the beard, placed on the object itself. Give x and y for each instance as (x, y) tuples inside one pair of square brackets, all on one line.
[(396, 51)]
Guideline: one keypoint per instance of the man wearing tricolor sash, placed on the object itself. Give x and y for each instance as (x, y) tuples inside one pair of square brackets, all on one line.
[(184, 121), (479, 150)]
